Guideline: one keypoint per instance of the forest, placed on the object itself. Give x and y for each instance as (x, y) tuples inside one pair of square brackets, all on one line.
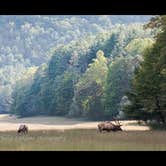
[(92, 67)]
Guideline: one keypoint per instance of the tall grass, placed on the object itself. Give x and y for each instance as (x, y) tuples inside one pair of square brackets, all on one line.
[(83, 140)]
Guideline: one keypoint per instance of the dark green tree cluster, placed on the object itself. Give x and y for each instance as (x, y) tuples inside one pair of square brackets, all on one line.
[(148, 94)]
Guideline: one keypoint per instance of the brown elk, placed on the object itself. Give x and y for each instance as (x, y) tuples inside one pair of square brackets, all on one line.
[(22, 129), (109, 126)]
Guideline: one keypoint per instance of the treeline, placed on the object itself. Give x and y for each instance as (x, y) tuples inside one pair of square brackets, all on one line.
[(147, 97), (28, 41), (86, 78)]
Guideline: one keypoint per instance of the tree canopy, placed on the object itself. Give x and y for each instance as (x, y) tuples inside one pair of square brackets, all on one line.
[(148, 94), (87, 77)]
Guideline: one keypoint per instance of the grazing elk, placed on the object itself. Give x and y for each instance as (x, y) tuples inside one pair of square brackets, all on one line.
[(22, 129), (109, 126)]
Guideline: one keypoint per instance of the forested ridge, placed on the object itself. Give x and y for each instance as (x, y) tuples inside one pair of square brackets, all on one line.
[(74, 66), (86, 77)]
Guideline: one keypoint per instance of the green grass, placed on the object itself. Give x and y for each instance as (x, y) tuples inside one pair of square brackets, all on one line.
[(80, 140)]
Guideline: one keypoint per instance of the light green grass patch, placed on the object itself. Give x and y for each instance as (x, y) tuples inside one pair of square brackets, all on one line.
[(83, 140)]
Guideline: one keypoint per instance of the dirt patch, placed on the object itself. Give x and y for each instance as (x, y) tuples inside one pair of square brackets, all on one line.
[(10, 123)]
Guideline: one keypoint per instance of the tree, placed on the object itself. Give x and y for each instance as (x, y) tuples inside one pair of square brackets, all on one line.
[(19, 95), (63, 93), (117, 84), (137, 46), (89, 89), (150, 80)]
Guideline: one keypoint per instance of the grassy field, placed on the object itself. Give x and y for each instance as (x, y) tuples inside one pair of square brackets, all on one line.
[(83, 139), (11, 123)]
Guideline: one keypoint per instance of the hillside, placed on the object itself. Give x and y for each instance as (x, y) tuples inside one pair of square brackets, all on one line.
[(28, 41)]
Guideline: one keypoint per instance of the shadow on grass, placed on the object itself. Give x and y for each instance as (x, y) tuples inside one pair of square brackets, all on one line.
[(156, 126)]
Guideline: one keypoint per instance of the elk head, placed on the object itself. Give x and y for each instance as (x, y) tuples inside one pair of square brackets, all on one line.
[(117, 124)]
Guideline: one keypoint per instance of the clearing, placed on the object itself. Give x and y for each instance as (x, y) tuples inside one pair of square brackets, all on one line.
[(58, 133), (11, 123)]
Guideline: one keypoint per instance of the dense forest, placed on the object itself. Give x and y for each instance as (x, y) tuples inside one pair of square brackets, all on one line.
[(86, 77), (26, 42), (95, 67)]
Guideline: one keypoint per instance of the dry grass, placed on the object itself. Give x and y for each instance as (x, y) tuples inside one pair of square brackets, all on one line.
[(83, 139), (11, 123), (57, 133)]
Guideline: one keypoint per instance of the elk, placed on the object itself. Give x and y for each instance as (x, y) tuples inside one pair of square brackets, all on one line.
[(109, 126), (22, 129)]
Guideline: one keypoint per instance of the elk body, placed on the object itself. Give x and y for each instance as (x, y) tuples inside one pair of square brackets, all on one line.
[(109, 126), (22, 129)]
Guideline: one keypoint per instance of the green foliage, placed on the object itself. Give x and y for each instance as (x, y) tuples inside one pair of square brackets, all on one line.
[(137, 46), (21, 91), (76, 80), (117, 83), (97, 71), (149, 80), (89, 88), (63, 92), (121, 36)]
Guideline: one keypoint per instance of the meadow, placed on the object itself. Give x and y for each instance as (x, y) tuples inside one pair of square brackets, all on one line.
[(83, 140)]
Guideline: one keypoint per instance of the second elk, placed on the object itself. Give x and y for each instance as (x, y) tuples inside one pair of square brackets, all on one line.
[(110, 126)]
